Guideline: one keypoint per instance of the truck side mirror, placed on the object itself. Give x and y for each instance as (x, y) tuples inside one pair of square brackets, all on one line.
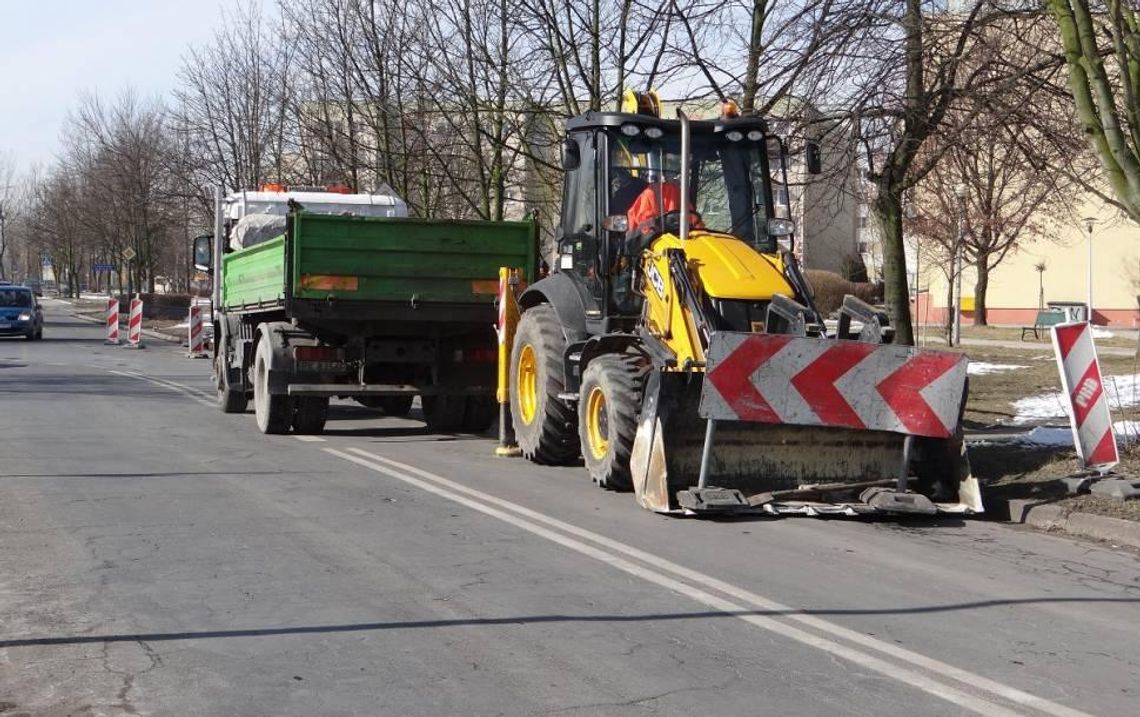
[(204, 253), (813, 157)]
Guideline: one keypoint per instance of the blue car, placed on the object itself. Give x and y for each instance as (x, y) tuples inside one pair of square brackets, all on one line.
[(20, 313)]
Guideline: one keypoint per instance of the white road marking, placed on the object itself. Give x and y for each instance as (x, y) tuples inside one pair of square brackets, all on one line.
[(310, 439), (188, 391), (483, 502)]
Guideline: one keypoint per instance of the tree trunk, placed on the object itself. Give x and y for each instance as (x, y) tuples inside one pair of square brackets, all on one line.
[(888, 212), (980, 288)]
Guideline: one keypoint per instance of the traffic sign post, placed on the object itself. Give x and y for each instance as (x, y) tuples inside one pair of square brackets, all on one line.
[(128, 255)]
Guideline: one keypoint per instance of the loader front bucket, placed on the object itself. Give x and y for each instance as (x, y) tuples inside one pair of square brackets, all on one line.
[(782, 457)]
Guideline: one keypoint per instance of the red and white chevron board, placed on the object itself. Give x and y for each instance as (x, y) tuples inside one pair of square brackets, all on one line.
[(769, 378), (112, 321), (134, 323), (1088, 404)]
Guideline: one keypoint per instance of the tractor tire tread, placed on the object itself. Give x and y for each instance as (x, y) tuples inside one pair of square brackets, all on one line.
[(624, 376), (553, 440)]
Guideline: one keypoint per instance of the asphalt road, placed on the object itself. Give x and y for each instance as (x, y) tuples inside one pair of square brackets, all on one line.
[(159, 557)]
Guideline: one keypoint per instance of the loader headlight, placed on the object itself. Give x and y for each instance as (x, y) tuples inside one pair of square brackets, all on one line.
[(781, 228), (755, 135), (734, 135), (654, 132), (630, 130)]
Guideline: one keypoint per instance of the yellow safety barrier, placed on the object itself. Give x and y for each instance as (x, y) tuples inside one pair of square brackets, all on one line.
[(505, 328)]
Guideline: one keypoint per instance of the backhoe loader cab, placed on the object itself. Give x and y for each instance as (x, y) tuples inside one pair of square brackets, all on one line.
[(676, 305), (621, 191)]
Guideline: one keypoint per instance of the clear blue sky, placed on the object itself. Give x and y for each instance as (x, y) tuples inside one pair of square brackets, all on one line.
[(53, 50)]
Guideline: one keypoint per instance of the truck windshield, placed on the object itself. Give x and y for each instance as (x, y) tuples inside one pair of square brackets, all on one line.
[(729, 182)]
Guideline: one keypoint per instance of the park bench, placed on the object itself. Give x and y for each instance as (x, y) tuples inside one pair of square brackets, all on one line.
[(1045, 319)]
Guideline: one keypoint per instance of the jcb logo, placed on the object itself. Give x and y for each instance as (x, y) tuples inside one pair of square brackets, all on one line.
[(1086, 391), (656, 280)]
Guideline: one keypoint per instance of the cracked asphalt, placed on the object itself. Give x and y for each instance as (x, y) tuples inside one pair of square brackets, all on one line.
[(160, 558)]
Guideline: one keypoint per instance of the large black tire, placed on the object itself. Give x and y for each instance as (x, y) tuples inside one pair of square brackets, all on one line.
[(396, 405), (608, 405), (480, 413), (443, 413), (231, 399), (544, 424), (392, 405), (310, 414), (274, 412)]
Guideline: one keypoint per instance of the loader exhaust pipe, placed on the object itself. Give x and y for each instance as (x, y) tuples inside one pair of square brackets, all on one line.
[(685, 143)]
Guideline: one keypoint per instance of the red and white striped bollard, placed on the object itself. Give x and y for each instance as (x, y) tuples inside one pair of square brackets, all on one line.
[(197, 338), (112, 321), (134, 324), (1083, 386)]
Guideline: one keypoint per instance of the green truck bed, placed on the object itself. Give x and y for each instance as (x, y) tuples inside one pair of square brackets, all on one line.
[(368, 259)]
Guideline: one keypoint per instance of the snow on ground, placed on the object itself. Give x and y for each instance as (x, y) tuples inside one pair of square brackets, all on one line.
[(1123, 391), (980, 368), (1127, 433), (1099, 333), (1048, 436)]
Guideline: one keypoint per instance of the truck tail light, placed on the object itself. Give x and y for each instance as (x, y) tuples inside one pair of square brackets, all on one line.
[(316, 353), (481, 355)]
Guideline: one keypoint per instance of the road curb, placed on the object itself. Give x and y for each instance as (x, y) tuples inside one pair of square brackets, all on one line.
[(1086, 525)]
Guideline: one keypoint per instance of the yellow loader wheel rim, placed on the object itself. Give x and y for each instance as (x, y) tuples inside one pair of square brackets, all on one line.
[(597, 423), (527, 382)]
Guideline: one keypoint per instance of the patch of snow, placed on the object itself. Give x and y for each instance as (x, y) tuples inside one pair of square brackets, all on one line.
[(981, 368), (1099, 333), (1048, 436), (1123, 391)]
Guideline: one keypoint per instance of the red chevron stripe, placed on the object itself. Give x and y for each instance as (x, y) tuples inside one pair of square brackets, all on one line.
[(1105, 451), (901, 392), (732, 377), (816, 383), (1067, 336)]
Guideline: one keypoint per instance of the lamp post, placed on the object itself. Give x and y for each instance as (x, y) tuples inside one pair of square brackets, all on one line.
[(956, 267), (1089, 222)]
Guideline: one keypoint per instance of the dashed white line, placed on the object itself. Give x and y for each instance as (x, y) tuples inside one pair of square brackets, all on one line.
[(532, 521), (310, 439)]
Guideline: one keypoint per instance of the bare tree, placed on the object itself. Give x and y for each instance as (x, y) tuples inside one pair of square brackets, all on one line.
[(1101, 42)]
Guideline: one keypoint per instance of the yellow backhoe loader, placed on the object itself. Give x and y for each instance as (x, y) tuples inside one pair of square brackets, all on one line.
[(675, 348)]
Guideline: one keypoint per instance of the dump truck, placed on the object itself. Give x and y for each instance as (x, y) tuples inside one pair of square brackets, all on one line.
[(677, 352), (329, 294)]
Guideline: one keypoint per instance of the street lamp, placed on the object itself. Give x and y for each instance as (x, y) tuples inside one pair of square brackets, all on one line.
[(956, 267), (1089, 222)]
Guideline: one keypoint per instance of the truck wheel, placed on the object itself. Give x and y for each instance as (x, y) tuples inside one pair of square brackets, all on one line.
[(607, 418), (443, 413), (544, 423), (480, 413), (396, 405), (230, 399), (310, 414), (274, 412)]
